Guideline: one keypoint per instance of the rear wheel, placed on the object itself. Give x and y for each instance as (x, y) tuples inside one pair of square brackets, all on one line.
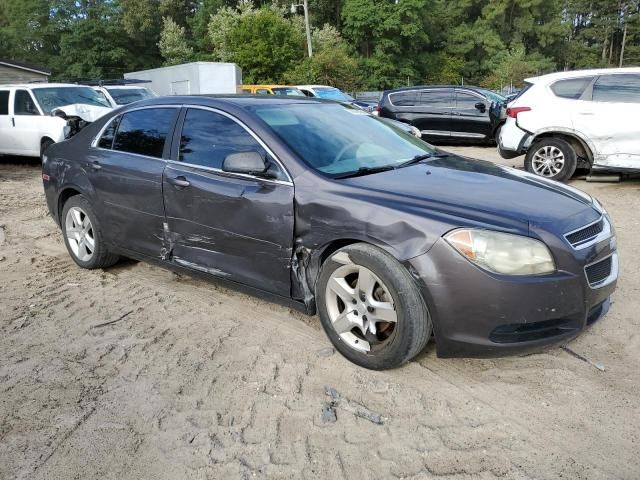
[(552, 158), (83, 235), (371, 309)]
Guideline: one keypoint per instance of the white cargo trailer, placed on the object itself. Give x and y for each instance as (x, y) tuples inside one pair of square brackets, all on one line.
[(192, 78)]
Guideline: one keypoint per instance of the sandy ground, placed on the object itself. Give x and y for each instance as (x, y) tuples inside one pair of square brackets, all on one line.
[(191, 380)]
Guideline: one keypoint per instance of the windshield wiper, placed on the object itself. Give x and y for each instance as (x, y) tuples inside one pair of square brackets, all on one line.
[(420, 158), (365, 171)]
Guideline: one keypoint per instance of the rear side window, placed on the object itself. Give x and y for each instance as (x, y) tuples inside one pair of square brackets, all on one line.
[(109, 133), (208, 137), (404, 99), (23, 104), (572, 88), (437, 99), (4, 102), (144, 131), (622, 88)]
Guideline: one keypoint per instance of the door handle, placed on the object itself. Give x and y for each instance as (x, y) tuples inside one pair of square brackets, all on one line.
[(179, 182), (95, 165), (13, 121)]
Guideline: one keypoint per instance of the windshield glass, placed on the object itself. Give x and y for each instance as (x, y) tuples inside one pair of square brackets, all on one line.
[(293, 91), (53, 97), (123, 96), (330, 93), (493, 96), (338, 140)]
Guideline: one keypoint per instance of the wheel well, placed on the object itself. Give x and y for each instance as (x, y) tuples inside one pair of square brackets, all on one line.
[(334, 246), (44, 139), (583, 151), (62, 199)]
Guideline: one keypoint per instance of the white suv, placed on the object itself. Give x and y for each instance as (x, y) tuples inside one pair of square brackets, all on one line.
[(33, 116), (566, 120)]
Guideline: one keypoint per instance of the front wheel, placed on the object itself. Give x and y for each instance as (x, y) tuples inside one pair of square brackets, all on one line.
[(371, 308), (552, 158)]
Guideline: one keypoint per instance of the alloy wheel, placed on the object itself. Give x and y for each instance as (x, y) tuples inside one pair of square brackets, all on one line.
[(80, 234), (548, 161), (360, 308)]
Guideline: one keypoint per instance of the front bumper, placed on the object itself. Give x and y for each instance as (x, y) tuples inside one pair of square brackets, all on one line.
[(479, 314)]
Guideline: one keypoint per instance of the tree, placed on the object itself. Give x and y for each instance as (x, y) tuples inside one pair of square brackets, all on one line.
[(173, 44)]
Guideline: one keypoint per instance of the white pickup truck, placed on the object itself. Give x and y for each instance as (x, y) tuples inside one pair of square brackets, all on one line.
[(33, 116)]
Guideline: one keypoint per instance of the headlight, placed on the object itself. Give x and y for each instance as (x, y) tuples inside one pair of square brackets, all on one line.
[(502, 252)]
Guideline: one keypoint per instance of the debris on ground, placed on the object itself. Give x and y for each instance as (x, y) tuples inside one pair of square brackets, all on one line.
[(110, 322), (350, 406), (599, 366), (326, 352), (328, 414)]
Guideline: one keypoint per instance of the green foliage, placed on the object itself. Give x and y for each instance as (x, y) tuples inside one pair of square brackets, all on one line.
[(173, 44), (371, 44)]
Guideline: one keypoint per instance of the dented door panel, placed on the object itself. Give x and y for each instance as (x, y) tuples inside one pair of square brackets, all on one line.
[(237, 228)]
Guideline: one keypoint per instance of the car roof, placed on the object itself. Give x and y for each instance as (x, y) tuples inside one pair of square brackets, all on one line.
[(41, 85), (550, 77), (422, 87), (316, 86)]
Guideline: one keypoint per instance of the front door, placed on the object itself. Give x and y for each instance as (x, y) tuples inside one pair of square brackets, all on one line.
[(28, 124), (239, 227), (470, 119), (125, 168)]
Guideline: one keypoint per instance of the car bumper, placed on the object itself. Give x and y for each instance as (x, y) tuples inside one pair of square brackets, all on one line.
[(479, 314), (513, 141)]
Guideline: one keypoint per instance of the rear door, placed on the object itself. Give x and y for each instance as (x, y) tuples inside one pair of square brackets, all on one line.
[(231, 225), (125, 167), (432, 112), (608, 117), (471, 119)]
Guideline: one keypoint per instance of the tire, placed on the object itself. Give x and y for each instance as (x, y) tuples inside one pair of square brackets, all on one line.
[(550, 150), (391, 292), (46, 143), (74, 212)]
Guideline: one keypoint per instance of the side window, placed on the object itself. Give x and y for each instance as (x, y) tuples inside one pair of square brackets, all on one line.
[(109, 133), (4, 102), (144, 131), (622, 88), (23, 104), (467, 102), (404, 99), (262, 91), (439, 99), (572, 88), (208, 137)]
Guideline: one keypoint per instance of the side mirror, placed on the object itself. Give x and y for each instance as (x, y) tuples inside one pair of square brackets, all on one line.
[(252, 163), (481, 106)]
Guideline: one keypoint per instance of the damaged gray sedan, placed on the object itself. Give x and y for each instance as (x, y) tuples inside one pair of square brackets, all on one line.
[(328, 209)]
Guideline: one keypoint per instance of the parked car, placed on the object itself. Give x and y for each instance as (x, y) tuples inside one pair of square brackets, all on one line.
[(123, 92), (34, 116), (271, 90), (585, 119), (331, 210), (332, 93), (447, 113)]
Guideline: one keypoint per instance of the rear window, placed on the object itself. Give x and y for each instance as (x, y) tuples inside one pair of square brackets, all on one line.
[(404, 99), (144, 131), (622, 88), (572, 88), (4, 102)]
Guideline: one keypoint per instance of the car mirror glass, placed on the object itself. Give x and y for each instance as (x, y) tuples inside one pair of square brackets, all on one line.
[(481, 106)]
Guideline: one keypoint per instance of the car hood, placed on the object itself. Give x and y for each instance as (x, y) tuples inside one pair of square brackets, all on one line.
[(481, 192), (88, 113)]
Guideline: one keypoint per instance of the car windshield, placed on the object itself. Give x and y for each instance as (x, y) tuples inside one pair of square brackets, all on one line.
[(50, 98), (291, 91), (493, 96), (338, 140), (123, 96), (331, 93)]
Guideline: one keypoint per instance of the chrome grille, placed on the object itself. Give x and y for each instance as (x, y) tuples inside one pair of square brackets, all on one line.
[(585, 234), (598, 272)]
